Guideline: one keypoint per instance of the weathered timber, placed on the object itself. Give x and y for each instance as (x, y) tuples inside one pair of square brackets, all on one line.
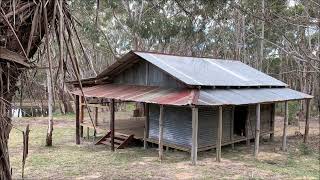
[(194, 147), (285, 126), (161, 133), (257, 136), (219, 136)]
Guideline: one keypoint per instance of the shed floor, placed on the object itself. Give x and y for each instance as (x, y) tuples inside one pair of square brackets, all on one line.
[(127, 126)]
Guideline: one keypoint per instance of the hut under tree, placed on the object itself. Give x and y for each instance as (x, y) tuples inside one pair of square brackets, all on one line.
[(191, 104)]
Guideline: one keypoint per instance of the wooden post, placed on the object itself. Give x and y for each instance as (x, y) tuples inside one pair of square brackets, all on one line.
[(77, 119), (161, 133), (96, 120), (219, 137), (285, 125), (88, 133), (194, 148), (247, 126), (257, 136), (81, 114), (96, 116), (112, 123), (146, 126), (273, 114), (306, 130), (232, 127)]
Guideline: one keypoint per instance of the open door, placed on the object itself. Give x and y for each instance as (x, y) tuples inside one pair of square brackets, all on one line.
[(240, 116)]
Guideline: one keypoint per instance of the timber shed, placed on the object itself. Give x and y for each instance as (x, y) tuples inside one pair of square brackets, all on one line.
[(192, 104)]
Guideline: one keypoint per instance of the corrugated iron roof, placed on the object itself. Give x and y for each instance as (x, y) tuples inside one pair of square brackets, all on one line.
[(149, 94), (248, 96), (183, 96), (210, 72), (197, 71)]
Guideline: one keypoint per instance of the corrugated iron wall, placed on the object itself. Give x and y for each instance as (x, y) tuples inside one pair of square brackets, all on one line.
[(177, 124), (136, 75), (208, 125)]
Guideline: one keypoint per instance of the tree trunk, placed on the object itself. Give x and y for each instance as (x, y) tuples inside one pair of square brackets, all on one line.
[(50, 102), (5, 119)]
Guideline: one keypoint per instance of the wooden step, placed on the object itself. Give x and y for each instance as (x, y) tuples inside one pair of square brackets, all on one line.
[(116, 141), (120, 140)]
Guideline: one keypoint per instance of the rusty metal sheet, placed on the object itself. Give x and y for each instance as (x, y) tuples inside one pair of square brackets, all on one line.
[(185, 96), (149, 94), (248, 96)]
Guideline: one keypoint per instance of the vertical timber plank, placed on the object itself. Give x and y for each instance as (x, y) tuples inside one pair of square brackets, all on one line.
[(306, 130), (194, 148), (247, 126), (285, 125), (257, 136), (112, 123), (146, 126), (218, 156), (77, 105), (161, 133)]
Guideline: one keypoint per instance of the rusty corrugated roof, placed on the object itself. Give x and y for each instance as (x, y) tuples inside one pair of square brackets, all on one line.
[(149, 94), (184, 96)]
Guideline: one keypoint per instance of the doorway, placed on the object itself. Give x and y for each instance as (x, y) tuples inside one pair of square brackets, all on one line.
[(240, 116)]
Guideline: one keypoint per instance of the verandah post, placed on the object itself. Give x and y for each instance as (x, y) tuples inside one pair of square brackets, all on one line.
[(161, 133), (257, 136), (273, 114), (112, 123), (146, 126), (96, 120), (218, 148), (81, 115), (247, 127), (306, 130), (77, 119), (194, 148), (285, 125)]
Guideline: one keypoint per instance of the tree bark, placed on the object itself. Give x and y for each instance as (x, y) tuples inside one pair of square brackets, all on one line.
[(50, 102)]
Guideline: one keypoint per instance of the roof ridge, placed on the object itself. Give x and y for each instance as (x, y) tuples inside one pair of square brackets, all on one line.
[(179, 55)]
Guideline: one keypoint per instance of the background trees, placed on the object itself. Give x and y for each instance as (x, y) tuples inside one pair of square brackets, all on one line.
[(280, 38)]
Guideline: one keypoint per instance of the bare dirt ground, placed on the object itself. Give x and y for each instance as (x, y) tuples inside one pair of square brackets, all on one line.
[(66, 160)]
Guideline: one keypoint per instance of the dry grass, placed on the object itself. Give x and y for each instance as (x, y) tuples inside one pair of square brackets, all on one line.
[(65, 160)]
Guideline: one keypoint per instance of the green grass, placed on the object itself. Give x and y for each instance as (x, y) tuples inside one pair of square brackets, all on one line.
[(66, 160)]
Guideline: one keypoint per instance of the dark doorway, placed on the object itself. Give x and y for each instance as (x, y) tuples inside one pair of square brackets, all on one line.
[(240, 116)]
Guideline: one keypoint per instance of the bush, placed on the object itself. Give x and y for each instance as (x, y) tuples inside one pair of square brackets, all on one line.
[(304, 149)]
